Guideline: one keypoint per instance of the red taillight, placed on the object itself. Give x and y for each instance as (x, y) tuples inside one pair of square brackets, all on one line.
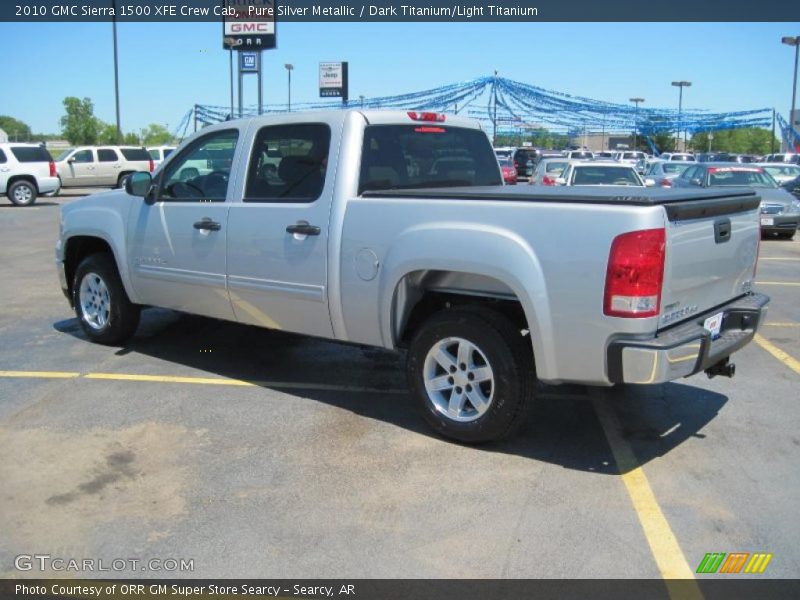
[(152, 166), (547, 180), (635, 274), (52, 169), (429, 129), (426, 116), (665, 183)]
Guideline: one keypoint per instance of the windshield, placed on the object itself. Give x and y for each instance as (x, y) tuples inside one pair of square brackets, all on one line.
[(677, 169), (555, 167), (599, 175), (64, 154), (783, 171), (417, 156), (734, 176), (506, 162)]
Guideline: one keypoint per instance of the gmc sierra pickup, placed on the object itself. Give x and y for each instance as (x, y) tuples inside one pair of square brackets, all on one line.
[(393, 229)]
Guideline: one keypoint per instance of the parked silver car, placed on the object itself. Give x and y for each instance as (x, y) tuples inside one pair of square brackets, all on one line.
[(26, 171)]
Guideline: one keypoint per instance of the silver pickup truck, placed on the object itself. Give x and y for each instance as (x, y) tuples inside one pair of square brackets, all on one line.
[(393, 229)]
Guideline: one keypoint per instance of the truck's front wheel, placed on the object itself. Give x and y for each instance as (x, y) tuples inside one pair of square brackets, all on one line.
[(471, 372), (106, 314)]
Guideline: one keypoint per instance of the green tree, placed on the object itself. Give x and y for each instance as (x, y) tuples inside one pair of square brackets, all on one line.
[(155, 135), (131, 139), (747, 140), (16, 129), (106, 133), (79, 124)]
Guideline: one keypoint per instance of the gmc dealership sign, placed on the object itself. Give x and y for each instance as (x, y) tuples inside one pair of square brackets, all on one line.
[(249, 25)]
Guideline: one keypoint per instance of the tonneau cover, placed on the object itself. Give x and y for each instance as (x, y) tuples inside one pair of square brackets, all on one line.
[(680, 203)]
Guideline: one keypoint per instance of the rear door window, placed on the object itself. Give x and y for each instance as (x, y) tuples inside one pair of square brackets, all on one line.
[(107, 155), (30, 154), (138, 154), (289, 163)]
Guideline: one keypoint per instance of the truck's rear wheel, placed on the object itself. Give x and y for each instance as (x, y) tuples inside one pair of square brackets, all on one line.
[(106, 314), (471, 372)]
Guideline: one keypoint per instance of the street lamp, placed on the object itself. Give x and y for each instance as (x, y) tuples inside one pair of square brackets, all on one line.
[(680, 85), (636, 101), (793, 41), (289, 68)]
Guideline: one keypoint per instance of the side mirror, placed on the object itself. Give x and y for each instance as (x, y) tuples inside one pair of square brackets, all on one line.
[(696, 181), (138, 184), (649, 182), (71, 159)]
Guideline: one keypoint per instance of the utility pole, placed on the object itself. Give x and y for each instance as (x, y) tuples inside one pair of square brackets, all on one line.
[(680, 85), (230, 51), (494, 117), (636, 101), (793, 41), (116, 68), (289, 68)]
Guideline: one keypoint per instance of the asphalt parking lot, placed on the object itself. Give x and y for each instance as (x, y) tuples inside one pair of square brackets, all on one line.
[(257, 452)]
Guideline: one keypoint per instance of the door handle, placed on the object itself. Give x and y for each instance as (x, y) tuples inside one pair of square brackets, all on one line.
[(207, 224), (303, 228)]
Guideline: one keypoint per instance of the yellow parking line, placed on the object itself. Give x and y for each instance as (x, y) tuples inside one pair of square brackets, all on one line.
[(789, 283), (777, 324), (664, 545), (41, 374), (782, 356), (291, 385), (777, 258)]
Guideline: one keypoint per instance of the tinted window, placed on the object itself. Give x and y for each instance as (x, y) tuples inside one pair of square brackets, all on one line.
[(28, 154), (84, 156), (167, 152), (604, 176), (2, 156), (154, 154), (135, 154), (288, 163), (107, 155), (418, 156), (201, 172), (674, 168)]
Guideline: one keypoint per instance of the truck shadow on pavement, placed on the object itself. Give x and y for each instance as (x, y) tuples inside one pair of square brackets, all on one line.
[(562, 427)]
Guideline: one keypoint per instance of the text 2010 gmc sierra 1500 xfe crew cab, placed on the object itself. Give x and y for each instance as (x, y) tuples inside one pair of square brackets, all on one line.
[(393, 229)]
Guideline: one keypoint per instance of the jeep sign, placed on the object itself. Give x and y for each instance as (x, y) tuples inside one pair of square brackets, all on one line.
[(249, 25), (333, 80)]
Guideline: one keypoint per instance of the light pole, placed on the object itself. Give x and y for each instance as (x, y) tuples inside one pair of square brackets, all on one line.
[(680, 85), (793, 41), (636, 101), (289, 68), (116, 69)]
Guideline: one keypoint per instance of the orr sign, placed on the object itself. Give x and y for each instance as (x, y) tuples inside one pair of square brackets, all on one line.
[(248, 25)]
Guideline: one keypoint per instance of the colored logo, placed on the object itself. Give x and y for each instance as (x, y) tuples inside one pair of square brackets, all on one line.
[(735, 562)]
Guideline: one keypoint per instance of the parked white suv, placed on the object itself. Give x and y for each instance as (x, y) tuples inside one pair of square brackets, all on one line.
[(159, 153), (26, 170), (88, 166)]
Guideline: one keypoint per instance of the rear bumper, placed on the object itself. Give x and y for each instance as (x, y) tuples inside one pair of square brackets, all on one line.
[(48, 184), (686, 348), (780, 223)]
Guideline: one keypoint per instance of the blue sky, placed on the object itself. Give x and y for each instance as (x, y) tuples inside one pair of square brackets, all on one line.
[(167, 67)]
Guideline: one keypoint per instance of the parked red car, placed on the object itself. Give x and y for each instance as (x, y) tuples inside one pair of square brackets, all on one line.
[(509, 172)]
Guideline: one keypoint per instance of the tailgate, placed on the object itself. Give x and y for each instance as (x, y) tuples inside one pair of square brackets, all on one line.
[(712, 248)]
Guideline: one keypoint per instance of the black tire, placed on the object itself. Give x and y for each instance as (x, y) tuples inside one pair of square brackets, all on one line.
[(504, 349), (121, 180), (122, 316), (787, 235), (22, 193)]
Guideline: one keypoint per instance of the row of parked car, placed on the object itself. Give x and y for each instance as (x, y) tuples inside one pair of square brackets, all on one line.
[(778, 183), (28, 170)]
